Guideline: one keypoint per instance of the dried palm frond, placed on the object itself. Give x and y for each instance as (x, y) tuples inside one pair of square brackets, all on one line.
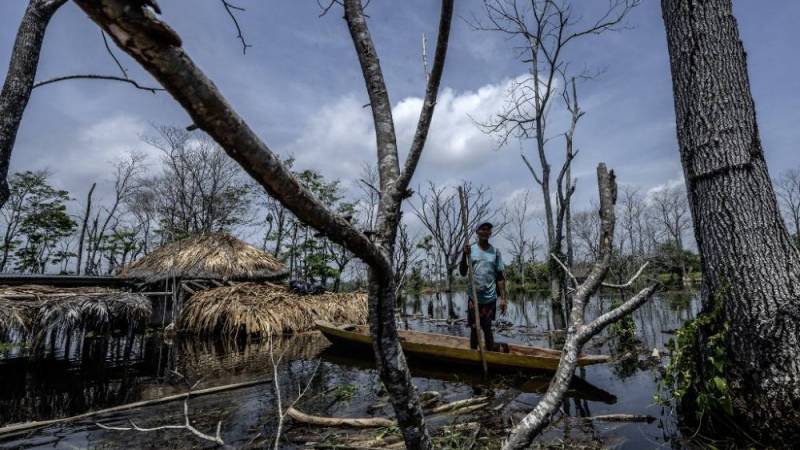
[(216, 256), (20, 305), (41, 311), (267, 309), (94, 311), (16, 316)]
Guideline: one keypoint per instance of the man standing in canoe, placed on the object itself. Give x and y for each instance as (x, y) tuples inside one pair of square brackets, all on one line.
[(490, 284)]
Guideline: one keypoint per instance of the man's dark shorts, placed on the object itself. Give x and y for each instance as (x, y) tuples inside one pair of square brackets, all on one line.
[(486, 311)]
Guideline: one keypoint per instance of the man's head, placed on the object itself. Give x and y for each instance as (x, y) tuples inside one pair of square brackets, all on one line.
[(484, 231)]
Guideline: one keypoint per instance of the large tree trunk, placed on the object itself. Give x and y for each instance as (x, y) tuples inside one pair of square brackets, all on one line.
[(19, 80), (751, 268), (391, 361)]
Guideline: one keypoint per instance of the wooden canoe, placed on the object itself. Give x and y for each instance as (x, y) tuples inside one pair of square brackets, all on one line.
[(455, 349)]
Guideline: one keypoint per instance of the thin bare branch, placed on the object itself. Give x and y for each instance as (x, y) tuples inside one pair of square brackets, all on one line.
[(326, 8), (97, 77), (230, 8), (431, 93), (566, 269), (532, 170), (113, 56), (388, 165), (630, 281)]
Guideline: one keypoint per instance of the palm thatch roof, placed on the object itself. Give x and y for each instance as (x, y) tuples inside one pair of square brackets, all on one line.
[(16, 315), (40, 311), (216, 256), (256, 309)]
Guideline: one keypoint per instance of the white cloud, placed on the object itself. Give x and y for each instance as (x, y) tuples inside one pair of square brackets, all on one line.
[(89, 157), (337, 140), (340, 137)]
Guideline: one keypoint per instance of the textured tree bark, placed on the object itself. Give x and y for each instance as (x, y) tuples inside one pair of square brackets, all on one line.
[(750, 264), (19, 80), (389, 357)]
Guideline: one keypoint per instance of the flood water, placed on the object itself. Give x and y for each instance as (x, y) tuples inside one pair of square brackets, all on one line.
[(97, 373)]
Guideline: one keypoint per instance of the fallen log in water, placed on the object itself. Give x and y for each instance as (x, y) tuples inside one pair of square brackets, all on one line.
[(620, 418), (366, 422), (459, 404), (26, 426), (457, 407)]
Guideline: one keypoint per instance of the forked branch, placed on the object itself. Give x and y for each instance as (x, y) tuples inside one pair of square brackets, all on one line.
[(578, 333)]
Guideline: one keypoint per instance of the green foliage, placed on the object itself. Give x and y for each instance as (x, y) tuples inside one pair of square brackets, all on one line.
[(344, 392), (624, 330), (671, 260), (454, 439), (43, 222), (696, 376), (535, 276)]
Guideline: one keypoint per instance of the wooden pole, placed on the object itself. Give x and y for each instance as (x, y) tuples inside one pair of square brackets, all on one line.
[(26, 426), (471, 277)]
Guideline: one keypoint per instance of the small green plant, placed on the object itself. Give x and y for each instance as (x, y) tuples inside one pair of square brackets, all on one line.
[(7, 346), (624, 329), (699, 383), (384, 432), (344, 392), (454, 439)]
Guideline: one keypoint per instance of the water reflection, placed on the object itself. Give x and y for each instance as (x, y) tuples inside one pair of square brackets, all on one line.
[(91, 373)]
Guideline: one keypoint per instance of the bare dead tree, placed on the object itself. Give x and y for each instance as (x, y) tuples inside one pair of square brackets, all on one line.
[(88, 212), (671, 207), (439, 211), (787, 186), (579, 332), (157, 48), (634, 216), (200, 189), (565, 183), (125, 173), (586, 228), (517, 234), (19, 79), (141, 207), (370, 196), (405, 256), (543, 31)]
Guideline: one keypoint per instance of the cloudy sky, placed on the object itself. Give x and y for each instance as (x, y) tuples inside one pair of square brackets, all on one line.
[(300, 88)]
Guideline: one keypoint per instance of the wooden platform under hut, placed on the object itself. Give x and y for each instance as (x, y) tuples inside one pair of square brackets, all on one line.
[(35, 312), (264, 309)]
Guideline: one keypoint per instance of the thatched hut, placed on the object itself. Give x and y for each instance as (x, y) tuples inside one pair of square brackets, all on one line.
[(263, 309), (206, 256), (36, 312), (203, 261)]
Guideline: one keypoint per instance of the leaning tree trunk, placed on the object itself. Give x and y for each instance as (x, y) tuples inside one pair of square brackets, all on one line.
[(19, 80), (751, 268)]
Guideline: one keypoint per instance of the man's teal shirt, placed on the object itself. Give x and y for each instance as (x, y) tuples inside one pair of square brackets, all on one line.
[(486, 264)]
